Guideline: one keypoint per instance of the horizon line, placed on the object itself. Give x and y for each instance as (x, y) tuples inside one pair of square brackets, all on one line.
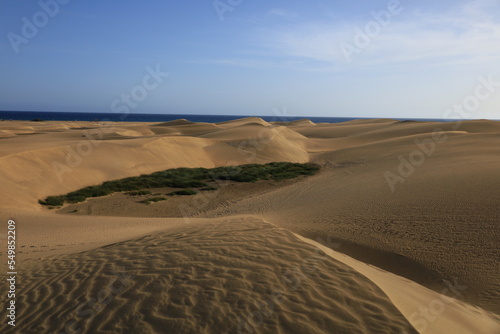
[(242, 116)]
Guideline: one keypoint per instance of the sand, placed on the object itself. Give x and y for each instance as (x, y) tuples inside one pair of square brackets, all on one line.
[(339, 252), (235, 275)]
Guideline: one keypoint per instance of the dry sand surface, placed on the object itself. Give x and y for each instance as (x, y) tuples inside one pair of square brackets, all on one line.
[(398, 195), (209, 277)]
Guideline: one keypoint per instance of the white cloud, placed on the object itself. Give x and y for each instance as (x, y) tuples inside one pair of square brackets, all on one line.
[(468, 35)]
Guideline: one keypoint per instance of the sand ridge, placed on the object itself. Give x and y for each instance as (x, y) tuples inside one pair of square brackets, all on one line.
[(237, 275), (92, 153)]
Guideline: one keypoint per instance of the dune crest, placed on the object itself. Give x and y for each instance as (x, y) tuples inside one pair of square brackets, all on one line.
[(177, 122), (242, 121), (249, 276), (449, 315), (299, 122)]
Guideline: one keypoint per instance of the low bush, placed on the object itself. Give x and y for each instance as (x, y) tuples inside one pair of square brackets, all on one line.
[(187, 178), (184, 192), (139, 193), (53, 201)]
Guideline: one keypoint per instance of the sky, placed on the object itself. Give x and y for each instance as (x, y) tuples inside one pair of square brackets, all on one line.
[(366, 58)]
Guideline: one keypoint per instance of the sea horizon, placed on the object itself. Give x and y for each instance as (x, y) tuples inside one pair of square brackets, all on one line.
[(154, 117)]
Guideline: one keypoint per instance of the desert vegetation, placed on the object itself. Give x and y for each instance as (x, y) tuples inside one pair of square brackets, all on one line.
[(188, 179)]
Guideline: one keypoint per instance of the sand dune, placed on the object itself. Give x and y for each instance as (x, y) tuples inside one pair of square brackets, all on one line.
[(164, 130), (6, 134), (242, 121), (299, 122), (445, 314), (207, 274), (175, 123), (65, 161), (239, 275), (445, 210), (197, 129), (61, 169), (277, 144)]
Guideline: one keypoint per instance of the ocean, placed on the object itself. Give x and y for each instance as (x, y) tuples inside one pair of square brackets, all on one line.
[(84, 116)]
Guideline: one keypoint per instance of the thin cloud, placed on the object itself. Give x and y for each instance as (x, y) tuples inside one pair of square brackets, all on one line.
[(465, 37), (469, 35)]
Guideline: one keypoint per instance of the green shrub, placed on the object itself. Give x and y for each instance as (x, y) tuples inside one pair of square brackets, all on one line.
[(187, 178), (139, 193), (75, 199), (184, 192), (184, 183), (53, 201)]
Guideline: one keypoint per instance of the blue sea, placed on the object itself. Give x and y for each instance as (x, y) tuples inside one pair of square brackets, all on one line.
[(80, 116)]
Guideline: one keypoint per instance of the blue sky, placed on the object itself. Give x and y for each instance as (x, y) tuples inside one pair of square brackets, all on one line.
[(240, 57)]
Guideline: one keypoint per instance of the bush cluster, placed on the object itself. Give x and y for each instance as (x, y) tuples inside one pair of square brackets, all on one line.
[(184, 192), (139, 193), (186, 178)]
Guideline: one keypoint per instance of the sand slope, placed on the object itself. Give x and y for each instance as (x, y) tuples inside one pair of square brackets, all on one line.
[(446, 209), (428, 311), (239, 275), (51, 163)]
